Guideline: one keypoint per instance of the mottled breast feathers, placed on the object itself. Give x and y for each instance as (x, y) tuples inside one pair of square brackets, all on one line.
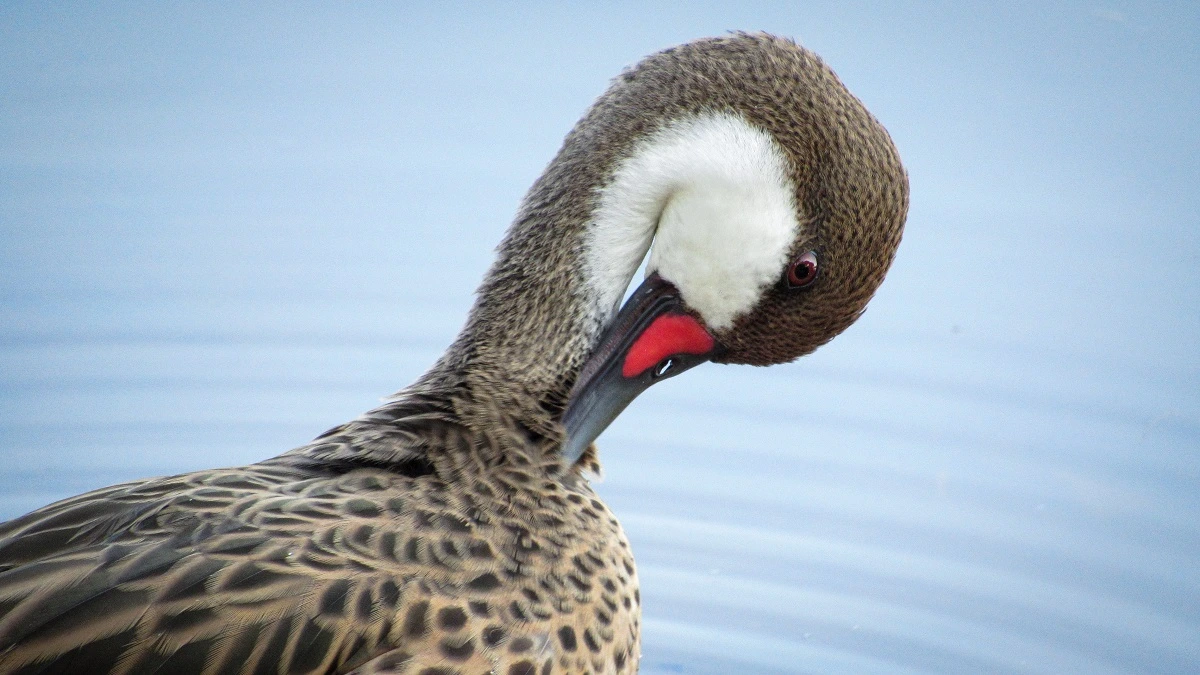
[(310, 564)]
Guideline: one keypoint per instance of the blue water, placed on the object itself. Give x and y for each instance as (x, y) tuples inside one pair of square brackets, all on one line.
[(223, 231)]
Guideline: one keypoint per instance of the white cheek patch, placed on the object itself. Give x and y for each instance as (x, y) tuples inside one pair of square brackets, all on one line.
[(713, 193)]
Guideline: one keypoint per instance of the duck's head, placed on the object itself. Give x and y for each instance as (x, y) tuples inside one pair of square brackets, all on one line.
[(775, 202)]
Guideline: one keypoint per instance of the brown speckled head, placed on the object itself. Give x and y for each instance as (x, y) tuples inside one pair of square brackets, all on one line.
[(853, 196), (743, 157), (851, 191)]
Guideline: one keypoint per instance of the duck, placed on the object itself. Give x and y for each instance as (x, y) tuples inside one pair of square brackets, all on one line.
[(454, 529)]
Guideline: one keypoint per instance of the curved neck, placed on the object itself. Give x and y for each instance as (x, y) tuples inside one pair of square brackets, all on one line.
[(711, 187), (538, 314)]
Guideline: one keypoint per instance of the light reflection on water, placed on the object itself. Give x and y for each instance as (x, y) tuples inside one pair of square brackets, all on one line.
[(957, 510), (913, 539), (996, 470)]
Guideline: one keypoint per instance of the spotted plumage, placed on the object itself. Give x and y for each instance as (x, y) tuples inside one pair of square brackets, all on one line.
[(447, 532), (470, 559)]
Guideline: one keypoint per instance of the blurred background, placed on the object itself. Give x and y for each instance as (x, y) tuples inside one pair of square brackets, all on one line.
[(226, 228)]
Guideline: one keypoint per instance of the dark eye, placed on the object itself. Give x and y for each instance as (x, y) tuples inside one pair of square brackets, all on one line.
[(802, 271)]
